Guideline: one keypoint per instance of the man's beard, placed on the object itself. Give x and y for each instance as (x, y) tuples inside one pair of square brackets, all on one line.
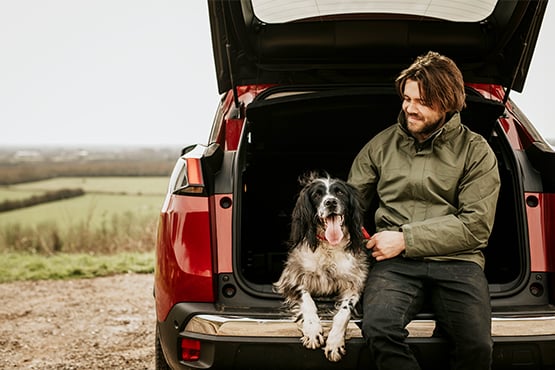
[(428, 128)]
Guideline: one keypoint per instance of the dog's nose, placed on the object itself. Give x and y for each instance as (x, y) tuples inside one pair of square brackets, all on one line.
[(331, 202)]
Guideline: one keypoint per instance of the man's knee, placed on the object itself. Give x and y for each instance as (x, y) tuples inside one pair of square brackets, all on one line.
[(479, 346), (476, 354), (378, 323)]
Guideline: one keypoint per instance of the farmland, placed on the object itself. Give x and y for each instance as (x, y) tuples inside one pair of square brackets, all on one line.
[(105, 197), (105, 200), (115, 210), (116, 215)]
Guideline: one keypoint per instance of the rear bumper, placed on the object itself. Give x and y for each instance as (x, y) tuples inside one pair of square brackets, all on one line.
[(271, 340), (234, 326)]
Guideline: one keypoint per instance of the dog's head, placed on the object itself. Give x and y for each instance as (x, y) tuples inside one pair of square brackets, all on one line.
[(327, 208)]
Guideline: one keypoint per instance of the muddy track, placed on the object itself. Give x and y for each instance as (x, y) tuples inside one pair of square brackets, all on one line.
[(101, 323)]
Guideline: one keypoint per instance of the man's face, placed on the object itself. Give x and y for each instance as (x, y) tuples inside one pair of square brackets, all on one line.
[(422, 120)]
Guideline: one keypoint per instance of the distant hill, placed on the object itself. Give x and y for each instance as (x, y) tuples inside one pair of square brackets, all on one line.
[(25, 164), (17, 154)]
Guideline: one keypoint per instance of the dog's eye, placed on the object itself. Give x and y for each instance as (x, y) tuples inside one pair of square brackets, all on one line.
[(317, 194), (339, 192)]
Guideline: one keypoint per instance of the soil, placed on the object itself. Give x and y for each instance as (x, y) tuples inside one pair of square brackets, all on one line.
[(100, 323)]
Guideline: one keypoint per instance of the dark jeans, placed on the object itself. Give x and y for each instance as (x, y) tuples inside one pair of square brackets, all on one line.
[(457, 291)]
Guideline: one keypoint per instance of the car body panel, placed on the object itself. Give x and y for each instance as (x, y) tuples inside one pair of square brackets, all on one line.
[(182, 255), (224, 232), (539, 208)]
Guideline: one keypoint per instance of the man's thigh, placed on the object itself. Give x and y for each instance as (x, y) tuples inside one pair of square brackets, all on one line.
[(461, 301), (393, 293)]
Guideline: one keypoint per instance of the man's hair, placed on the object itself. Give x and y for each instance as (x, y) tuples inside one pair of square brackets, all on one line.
[(439, 79)]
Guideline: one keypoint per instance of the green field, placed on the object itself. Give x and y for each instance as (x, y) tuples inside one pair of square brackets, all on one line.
[(111, 229), (93, 209), (105, 197), (124, 185), (116, 214), (9, 192)]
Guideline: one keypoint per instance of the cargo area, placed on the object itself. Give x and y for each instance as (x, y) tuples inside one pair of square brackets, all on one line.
[(289, 133)]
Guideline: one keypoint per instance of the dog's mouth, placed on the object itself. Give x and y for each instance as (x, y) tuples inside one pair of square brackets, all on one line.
[(333, 228)]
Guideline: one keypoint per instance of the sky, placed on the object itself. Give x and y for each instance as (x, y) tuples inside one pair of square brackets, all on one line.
[(140, 72)]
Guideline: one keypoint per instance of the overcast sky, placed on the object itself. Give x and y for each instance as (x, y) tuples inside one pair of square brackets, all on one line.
[(140, 72)]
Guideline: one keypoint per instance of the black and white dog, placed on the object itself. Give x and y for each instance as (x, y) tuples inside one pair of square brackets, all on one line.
[(327, 259)]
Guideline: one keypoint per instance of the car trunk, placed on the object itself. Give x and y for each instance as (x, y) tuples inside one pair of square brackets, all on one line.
[(292, 131)]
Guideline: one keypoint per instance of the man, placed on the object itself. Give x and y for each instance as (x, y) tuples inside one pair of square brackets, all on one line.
[(437, 184)]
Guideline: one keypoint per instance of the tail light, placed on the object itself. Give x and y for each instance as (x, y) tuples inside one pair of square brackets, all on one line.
[(192, 172), (190, 349)]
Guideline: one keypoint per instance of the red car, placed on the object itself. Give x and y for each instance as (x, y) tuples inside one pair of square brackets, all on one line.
[(304, 87)]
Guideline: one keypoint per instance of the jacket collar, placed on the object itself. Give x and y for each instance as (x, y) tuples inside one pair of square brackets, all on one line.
[(447, 130)]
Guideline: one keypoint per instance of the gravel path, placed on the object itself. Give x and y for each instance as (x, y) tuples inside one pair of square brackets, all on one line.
[(101, 323)]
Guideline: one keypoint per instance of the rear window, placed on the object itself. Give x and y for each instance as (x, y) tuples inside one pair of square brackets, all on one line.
[(282, 11)]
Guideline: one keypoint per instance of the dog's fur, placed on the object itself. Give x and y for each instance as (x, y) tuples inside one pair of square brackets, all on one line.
[(317, 267)]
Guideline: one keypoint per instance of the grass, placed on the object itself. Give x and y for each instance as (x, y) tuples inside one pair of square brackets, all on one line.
[(96, 209), (7, 192), (25, 266), (110, 230), (90, 224)]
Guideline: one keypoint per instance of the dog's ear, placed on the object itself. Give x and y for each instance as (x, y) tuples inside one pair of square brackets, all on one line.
[(307, 178), (302, 220), (310, 176)]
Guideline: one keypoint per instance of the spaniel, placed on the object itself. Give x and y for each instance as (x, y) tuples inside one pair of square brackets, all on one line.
[(327, 258)]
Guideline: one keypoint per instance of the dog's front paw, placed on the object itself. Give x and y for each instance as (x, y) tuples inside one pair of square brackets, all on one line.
[(335, 348), (313, 336)]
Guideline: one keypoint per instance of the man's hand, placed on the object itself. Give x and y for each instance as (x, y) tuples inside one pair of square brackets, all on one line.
[(386, 244)]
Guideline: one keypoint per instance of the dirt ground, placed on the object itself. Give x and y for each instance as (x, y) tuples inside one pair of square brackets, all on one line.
[(101, 323)]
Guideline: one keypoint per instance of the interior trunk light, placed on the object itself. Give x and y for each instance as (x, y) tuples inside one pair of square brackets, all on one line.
[(190, 349)]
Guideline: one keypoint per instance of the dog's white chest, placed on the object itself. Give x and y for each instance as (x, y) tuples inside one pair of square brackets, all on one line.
[(326, 260), (324, 271)]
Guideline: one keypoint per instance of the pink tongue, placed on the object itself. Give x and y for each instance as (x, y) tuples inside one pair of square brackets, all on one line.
[(334, 234)]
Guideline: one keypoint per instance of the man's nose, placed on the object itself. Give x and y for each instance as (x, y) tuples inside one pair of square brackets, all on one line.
[(410, 107)]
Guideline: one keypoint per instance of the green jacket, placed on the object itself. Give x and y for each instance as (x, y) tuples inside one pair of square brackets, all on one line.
[(441, 194)]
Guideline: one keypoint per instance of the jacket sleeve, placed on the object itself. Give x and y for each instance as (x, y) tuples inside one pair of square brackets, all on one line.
[(470, 227)]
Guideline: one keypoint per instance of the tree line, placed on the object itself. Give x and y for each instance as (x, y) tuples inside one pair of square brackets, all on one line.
[(11, 174), (49, 196)]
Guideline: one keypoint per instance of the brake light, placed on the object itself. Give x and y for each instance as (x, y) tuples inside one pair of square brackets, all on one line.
[(190, 349), (194, 172), (188, 176), (192, 181)]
